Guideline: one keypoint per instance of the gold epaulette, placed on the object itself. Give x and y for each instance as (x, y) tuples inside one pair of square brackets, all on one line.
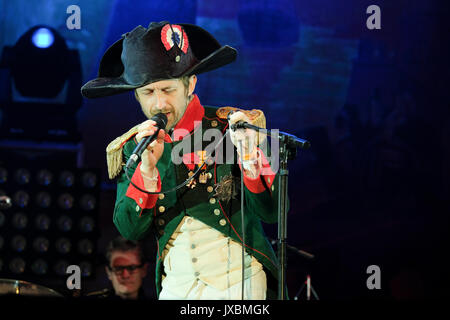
[(256, 116), (114, 152)]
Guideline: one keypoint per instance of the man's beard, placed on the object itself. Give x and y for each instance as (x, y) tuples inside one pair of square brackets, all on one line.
[(176, 116)]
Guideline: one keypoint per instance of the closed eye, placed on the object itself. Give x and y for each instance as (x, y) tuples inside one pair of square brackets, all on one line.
[(164, 90), (147, 91), (168, 90)]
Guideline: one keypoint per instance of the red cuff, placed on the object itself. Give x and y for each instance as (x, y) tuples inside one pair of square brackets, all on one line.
[(256, 185), (143, 200)]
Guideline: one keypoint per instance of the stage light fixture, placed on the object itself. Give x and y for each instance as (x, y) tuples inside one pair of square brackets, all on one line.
[(39, 267), (65, 201), (65, 223), (85, 247), (41, 77), (60, 267), (88, 202), (43, 199), (17, 265), (3, 175), (2, 219), (18, 243), (44, 177), (41, 244), (87, 224), (86, 269), (63, 245), (20, 220), (49, 226), (21, 199), (22, 176), (89, 179), (43, 38), (42, 222), (67, 179)]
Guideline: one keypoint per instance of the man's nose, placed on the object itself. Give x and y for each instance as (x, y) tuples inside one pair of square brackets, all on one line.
[(125, 273), (160, 101)]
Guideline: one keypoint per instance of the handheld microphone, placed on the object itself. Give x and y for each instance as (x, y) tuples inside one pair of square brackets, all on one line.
[(161, 122)]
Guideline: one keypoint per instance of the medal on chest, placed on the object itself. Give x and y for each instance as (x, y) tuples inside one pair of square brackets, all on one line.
[(202, 177), (227, 188)]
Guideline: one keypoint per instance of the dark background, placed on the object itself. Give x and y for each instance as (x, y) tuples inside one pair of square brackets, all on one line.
[(373, 189)]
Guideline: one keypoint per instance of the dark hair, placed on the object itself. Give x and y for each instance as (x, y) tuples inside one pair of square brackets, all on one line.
[(121, 244)]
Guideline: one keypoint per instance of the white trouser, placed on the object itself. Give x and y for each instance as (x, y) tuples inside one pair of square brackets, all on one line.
[(254, 289)]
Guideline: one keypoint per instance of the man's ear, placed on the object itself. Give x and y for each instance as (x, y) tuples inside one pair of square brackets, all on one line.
[(108, 273), (136, 95), (192, 84)]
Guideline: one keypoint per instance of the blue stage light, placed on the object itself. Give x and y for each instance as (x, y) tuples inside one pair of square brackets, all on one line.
[(43, 38)]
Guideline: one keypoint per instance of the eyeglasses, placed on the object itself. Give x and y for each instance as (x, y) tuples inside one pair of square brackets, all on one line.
[(120, 269)]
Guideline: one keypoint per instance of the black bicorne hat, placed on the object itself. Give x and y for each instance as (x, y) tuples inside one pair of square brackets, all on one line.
[(160, 52)]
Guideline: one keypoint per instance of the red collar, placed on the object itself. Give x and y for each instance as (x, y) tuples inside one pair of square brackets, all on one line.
[(191, 118)]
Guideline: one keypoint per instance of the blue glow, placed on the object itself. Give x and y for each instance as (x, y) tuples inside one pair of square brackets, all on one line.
[(43, 38)]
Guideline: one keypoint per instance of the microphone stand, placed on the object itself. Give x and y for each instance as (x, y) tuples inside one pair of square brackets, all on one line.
[(288, 151), (309, 289), (301, 253)]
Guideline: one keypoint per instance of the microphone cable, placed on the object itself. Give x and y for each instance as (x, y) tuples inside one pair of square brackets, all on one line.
[(188, 180)]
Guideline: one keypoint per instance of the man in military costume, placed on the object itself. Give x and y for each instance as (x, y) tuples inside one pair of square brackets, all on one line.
[(198, 226)]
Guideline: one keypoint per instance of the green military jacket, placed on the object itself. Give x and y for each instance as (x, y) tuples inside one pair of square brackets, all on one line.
[(136, 222)]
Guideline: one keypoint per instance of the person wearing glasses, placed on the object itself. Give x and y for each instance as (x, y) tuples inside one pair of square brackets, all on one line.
[(125, 269)]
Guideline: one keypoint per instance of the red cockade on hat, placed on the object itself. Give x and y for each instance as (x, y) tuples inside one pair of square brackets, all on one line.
[(172, 34)]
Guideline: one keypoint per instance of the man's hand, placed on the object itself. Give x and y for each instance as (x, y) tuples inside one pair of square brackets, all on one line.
[(154, 150), (243, 138)]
